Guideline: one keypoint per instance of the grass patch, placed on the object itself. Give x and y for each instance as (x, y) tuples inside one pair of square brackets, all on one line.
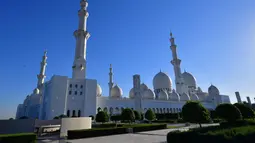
[(20, 137)]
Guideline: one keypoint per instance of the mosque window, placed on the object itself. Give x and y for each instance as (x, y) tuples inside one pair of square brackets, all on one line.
[(173, 110), (74, 113), (76, 85), (160, 110), (70, 86), (79, 113), (81, 86), (70, 92), (68, 113), (75, 93), (80, 93)]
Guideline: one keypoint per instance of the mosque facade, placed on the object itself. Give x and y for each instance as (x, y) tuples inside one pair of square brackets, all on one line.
[(82, 97)]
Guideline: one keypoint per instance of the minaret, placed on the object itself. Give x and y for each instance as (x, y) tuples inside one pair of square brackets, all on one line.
[(137, 92), (81, 36), (177, 69), (41, 76), (110, 80)]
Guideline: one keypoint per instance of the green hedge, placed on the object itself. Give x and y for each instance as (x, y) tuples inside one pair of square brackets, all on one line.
[(237, 123), (214, 135), (107, 125), (18, 138), (149, 127), (169, 121), (77, 134)]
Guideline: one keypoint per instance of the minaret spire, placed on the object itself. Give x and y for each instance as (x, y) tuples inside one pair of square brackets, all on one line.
[(41, 76), (81, 36), (177, 69), (110, 80)]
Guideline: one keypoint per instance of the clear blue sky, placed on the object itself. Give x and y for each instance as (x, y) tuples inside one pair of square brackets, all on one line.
[(215, 39)]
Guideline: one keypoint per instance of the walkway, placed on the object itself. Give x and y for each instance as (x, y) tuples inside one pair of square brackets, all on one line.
[(157, 136)]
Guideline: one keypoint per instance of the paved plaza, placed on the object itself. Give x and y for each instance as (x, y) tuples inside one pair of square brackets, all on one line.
[(157, 136)]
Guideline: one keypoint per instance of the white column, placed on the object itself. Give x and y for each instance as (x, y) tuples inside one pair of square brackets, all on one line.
[(81, 35)]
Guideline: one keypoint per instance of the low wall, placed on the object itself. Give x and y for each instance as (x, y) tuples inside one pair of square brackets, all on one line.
[(17, 126), (74, 124)]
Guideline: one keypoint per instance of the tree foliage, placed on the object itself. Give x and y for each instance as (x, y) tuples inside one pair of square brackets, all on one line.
[(137, 115), (150, 115), (127, 115), (228, 112), (115, 118), (195, 112), (245, 110), (92, 117), (102, 117), (23, 117)]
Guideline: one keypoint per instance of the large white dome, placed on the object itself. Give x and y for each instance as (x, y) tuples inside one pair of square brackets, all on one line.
[(184, 97), (213, 90), (174, 96), (99, 90), (162, 81), (116, 92), (194, 97), (189, 80), (148, 94), (162, 95)]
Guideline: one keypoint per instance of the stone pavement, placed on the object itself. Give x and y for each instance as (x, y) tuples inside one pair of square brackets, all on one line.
[(157, 136)]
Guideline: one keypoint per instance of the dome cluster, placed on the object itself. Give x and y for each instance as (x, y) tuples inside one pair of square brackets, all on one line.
[(146, 93)]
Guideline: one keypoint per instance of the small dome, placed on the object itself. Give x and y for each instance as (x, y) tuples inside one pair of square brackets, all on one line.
[(162, 81), (36, 91), (194, 97), (189, 80), (132, 93), (148, 94), (174, 96), (99, 90), (199, 89), (162, 95), (184, 97), (143, 87), (116, 92), (213, 90)]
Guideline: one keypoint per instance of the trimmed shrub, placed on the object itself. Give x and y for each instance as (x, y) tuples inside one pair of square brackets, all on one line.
[(149, 127), (228, 112), (92, 117), (18, 138), (107, 125), (137, 115), (195, 112), (102, 117), (149, 115), (214, 135), (245, 110), (24, 117), (115, 118), (237, 123), (127, 115), (77, 134)]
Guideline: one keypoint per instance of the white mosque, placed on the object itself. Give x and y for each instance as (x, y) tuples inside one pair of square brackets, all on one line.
[(79, 96)]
